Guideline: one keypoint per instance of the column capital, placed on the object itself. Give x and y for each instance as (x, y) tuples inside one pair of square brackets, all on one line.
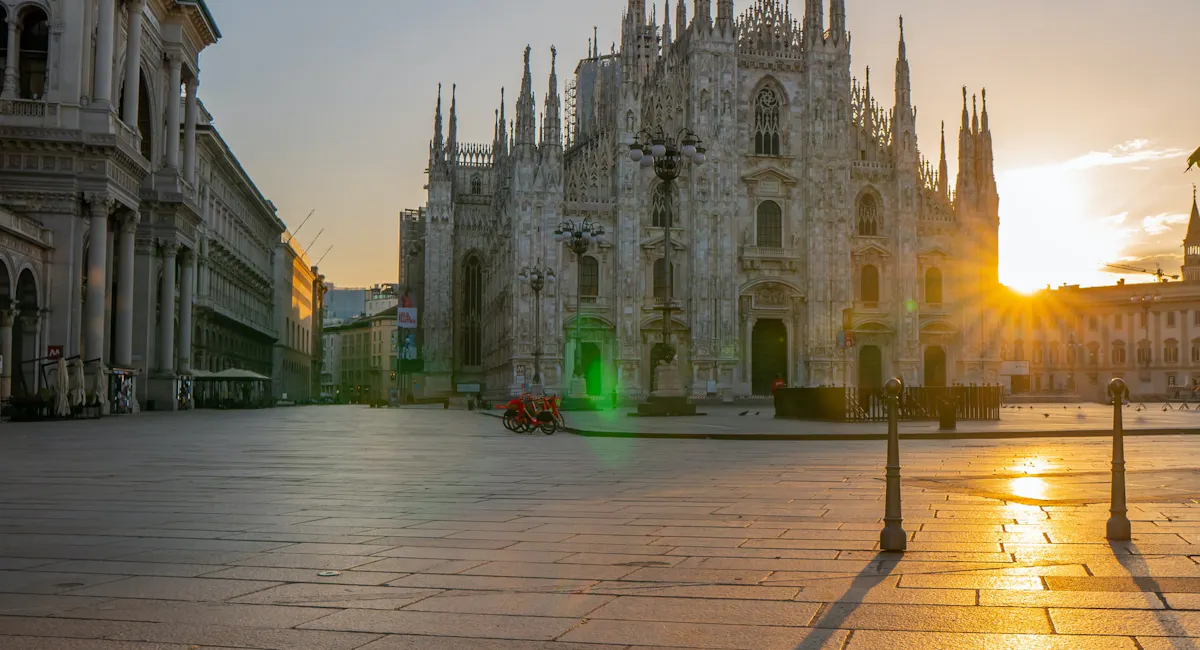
[(135, 5), (186, 255), (9, 316), (14, 22), (175, 59), (168, 247), (100, 204), (129, 221), (192, 83)]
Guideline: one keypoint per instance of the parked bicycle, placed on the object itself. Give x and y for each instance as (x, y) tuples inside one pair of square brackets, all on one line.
[(527, 414)]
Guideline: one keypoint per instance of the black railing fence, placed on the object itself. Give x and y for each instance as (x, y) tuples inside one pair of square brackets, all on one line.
[(869, 405)]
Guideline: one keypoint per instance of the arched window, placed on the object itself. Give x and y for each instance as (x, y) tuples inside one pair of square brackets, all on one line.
[(476, 184), (933, 286), (35, 49), (472, 341), (144, 124), (589, 277), (770, 225), (662, 289), (662, 205), (1118, 353), (869, 284), (766, 123), (868, 216)]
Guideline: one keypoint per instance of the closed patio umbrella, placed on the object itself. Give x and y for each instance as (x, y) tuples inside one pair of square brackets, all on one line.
[(102, 389), (80, 391), (62, 404)]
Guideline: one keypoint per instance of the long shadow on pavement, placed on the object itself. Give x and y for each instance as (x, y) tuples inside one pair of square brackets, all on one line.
[(826, 627), (1168, 620)]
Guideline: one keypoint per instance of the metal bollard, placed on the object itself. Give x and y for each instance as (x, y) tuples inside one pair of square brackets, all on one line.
[(1118, 528), (893, 537)]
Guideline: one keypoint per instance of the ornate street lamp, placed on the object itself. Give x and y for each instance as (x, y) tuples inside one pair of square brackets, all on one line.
[(578, 237), (667, 155), (536, 277)]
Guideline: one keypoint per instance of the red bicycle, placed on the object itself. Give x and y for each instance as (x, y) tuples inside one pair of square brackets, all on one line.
[(526, 415)]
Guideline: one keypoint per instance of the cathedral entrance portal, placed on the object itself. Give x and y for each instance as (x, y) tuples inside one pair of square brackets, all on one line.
[(935, 366), (870, 369), (593, 369), (768, 355)]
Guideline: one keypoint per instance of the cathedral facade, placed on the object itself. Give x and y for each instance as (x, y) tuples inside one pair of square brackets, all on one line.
[(817, 244)]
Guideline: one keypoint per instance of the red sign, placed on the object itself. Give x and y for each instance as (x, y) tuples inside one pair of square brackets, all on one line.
[(849, 339), (54, 352)]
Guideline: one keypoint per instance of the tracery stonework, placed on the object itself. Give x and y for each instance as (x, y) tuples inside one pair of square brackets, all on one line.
[(783, 120)]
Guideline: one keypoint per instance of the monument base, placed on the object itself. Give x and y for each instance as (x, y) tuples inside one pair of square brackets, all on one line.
[(162, 394)]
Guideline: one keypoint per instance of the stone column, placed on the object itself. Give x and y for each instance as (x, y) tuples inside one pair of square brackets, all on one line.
[(101, 205), (11, 62), (166, 323), (109, 256), (191, 115), (124, 333), (133, 59), (748, 361), (185, 310), (7, 317), (175, 62), (105, 39)]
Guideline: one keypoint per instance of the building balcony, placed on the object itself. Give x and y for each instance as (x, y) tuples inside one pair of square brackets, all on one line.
[(757, 257), (26, 109)]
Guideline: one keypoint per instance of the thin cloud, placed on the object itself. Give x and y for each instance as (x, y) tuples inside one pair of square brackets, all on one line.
[(1161, 223), (1128, 153)]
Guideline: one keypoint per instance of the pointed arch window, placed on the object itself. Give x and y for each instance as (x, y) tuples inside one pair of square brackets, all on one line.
[(767, 136), (869, 284), (589, 277), (868, 216), (770, 225), (472, 341), (933, 286), (476, 184), (662, 206)]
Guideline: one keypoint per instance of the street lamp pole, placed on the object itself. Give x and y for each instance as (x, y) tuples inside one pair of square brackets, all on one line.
[(536, 277), (578, 237), (654, 148)]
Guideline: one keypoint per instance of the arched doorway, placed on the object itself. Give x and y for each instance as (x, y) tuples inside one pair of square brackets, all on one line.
[(593, 369), (870, 369), (768, 355), (935, 366)]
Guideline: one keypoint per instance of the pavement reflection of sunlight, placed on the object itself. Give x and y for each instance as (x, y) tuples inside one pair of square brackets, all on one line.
[(1028, 487), (1031, 465)]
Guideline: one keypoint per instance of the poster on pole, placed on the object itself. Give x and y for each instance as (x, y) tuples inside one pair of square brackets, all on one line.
[(406, 318)]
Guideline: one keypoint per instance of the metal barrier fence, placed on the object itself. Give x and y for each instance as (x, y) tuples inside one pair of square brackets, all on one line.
[(970, 403)]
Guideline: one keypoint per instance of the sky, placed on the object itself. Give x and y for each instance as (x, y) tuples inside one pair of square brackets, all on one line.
[(1093, 104)]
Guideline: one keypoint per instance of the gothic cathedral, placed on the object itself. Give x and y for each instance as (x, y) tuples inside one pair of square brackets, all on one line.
[(817, 244)]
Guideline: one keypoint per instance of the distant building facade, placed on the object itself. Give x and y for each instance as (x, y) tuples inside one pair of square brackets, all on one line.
[(298, 290), (1075, 340), (345, 303)]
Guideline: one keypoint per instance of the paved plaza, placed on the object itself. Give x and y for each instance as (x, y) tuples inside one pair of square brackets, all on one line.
[(411, 529)]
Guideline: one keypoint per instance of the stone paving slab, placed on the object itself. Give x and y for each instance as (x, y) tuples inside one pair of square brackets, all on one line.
[(444, 532)]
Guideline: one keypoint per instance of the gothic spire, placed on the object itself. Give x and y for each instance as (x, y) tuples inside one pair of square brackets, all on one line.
[(595, 42), (903, 74), (703, 13), (868, 106), (526, 119), (943, 167), (666, 30), (975, 114), (501, 145), (437, 123), (552, 124), (837, 19), (680, 20), (814, 21), (452, 140), (966, 155), (1193, 231), (725, 12), (984, 118)]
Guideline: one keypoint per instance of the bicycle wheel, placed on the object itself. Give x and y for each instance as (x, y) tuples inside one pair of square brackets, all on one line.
[(549, 428)]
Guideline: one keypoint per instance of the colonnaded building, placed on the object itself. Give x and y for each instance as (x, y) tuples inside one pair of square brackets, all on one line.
[(816, 214), (130, 235)]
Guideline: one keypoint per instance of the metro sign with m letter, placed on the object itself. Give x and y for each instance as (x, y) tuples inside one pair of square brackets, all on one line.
[(406, 318)]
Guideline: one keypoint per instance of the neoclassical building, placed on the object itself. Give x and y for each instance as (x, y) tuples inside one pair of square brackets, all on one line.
[(130, 236), (816, 214)]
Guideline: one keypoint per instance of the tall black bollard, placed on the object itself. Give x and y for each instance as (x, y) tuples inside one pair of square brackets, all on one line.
[(1118, 528), (893, 537)]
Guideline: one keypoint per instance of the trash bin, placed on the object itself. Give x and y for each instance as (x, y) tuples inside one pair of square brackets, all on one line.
[(947, 415)]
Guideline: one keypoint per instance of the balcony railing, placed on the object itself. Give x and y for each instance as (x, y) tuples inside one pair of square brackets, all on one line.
[(770, 253), (23, 107)]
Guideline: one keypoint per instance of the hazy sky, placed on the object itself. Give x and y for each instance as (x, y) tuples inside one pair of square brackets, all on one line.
[(1092, 104)]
